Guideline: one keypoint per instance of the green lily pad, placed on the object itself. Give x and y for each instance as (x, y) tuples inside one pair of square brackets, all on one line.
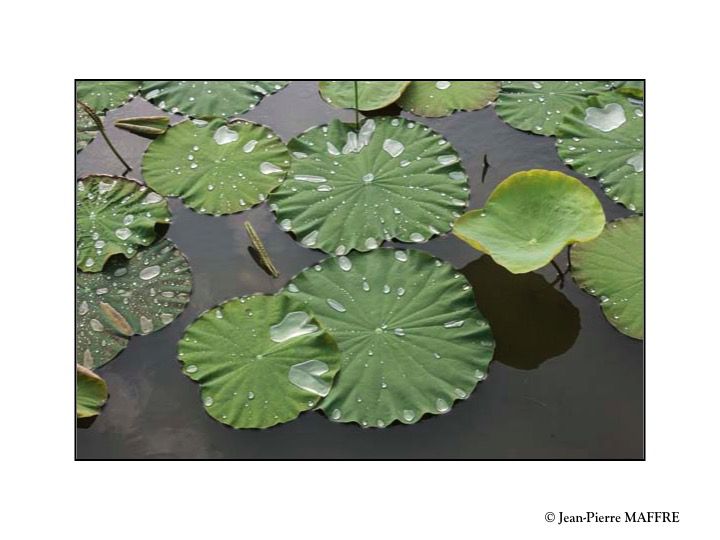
[(216, 167), (530, 217), (136, 296), (605, 138), (85, 128), (348, 190), (539, 106), (372, 95), (90, 392), (205, 99), (442, 98), (105, 95), (411, 337), (114, 215), (260, 360), (611, 267), (634, 89)]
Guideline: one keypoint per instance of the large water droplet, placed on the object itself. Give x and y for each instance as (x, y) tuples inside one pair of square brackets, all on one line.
[(393, 147), (442, 85), (310, 239), (337, 306), (454, 324), (146, 325), (401, 256), (123, 233), (344, 263), (636, 162), (305, 375), (408, 415), (310, 178), (441, 405), (371, 243), (610, 117), (150, 272), (286, 224), (268, 168), (447, 159), (295, 324), (249, 146), (96, 325), (225, 135)]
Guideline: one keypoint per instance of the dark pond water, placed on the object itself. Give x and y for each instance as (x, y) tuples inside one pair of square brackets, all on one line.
[(564, 384)]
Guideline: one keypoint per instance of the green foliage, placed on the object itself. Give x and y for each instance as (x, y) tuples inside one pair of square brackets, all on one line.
[(411, 337), (105, 95), (260, 360), (115, 215), (605, 138), (530, 217), (539, 106), (138, 296), (634, 89), (85, 128), (349, 190), (205, 99), (442, 98), (216, 167), (611, 267), (372, 95), (90, 392)]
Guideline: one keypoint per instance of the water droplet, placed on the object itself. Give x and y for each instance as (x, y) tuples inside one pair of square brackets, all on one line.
[(310, 239), (399, 332), (89, 261), (150, 272), (152, 198), (441, 405), (286, 225), (417, 237), (393, 147), (293, 288), (299, 155), (369, 177), (337, 306), (336, 414), (344, 263), (225, 135), (401, 256), (251, 395), (249, 146), (447, 159), (310, 178), (454, 324), (208, 401), (294, 324), (192, 368), (268, 168), (400, 291), (442, 85), (306, 375), (408, 415), (123, 233), (610, 117), (371, 243), (386, 289), (480, 375), (332, 149), (365, 286), (436, 355), (536, 85), (460, 393), (146, 325), (127, 220), (636, 162), (96, 325)]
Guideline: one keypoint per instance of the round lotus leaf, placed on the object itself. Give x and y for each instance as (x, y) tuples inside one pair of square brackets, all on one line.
[(204, 99), (411, 337), (351, 190), (90, 392), (85, 128), (530, 217), (216, 167), (372, 95), (136, 296), (605, 138), (539, 106), (611, 267), (105, 95), (442, 98), (260, 360), (114, 215)]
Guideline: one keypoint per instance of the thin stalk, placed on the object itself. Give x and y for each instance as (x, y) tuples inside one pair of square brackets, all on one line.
[(357, 105), (260, 248), (560, 275), (98, 123)]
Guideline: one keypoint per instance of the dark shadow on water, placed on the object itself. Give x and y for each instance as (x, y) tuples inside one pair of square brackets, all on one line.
[(530, 319), (85, 423)]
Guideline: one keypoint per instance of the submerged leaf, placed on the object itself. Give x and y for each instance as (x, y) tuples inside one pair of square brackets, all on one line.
[(442, 98), (539, 106), (349, 190), (411, 337), (105, 95), (216, 167), (260, 360), (114, 215), (204, 99), (530, 217), (605, 138), (90, 392), (372, 95), (138, 296), (611, 267), (147, 126)]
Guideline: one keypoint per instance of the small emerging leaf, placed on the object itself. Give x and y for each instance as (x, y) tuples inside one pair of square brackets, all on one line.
[(90, 392), (147, 126), (530, 217)]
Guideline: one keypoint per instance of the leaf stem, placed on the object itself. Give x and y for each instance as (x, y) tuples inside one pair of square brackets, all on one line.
[(357, 105), (560, 276), (98, 123)]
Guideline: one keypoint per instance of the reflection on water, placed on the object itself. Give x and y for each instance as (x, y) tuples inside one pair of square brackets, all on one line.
[(530, 319)]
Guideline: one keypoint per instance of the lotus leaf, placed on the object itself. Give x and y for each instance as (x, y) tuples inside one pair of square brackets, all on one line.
[(372, 95), (442, 98)]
